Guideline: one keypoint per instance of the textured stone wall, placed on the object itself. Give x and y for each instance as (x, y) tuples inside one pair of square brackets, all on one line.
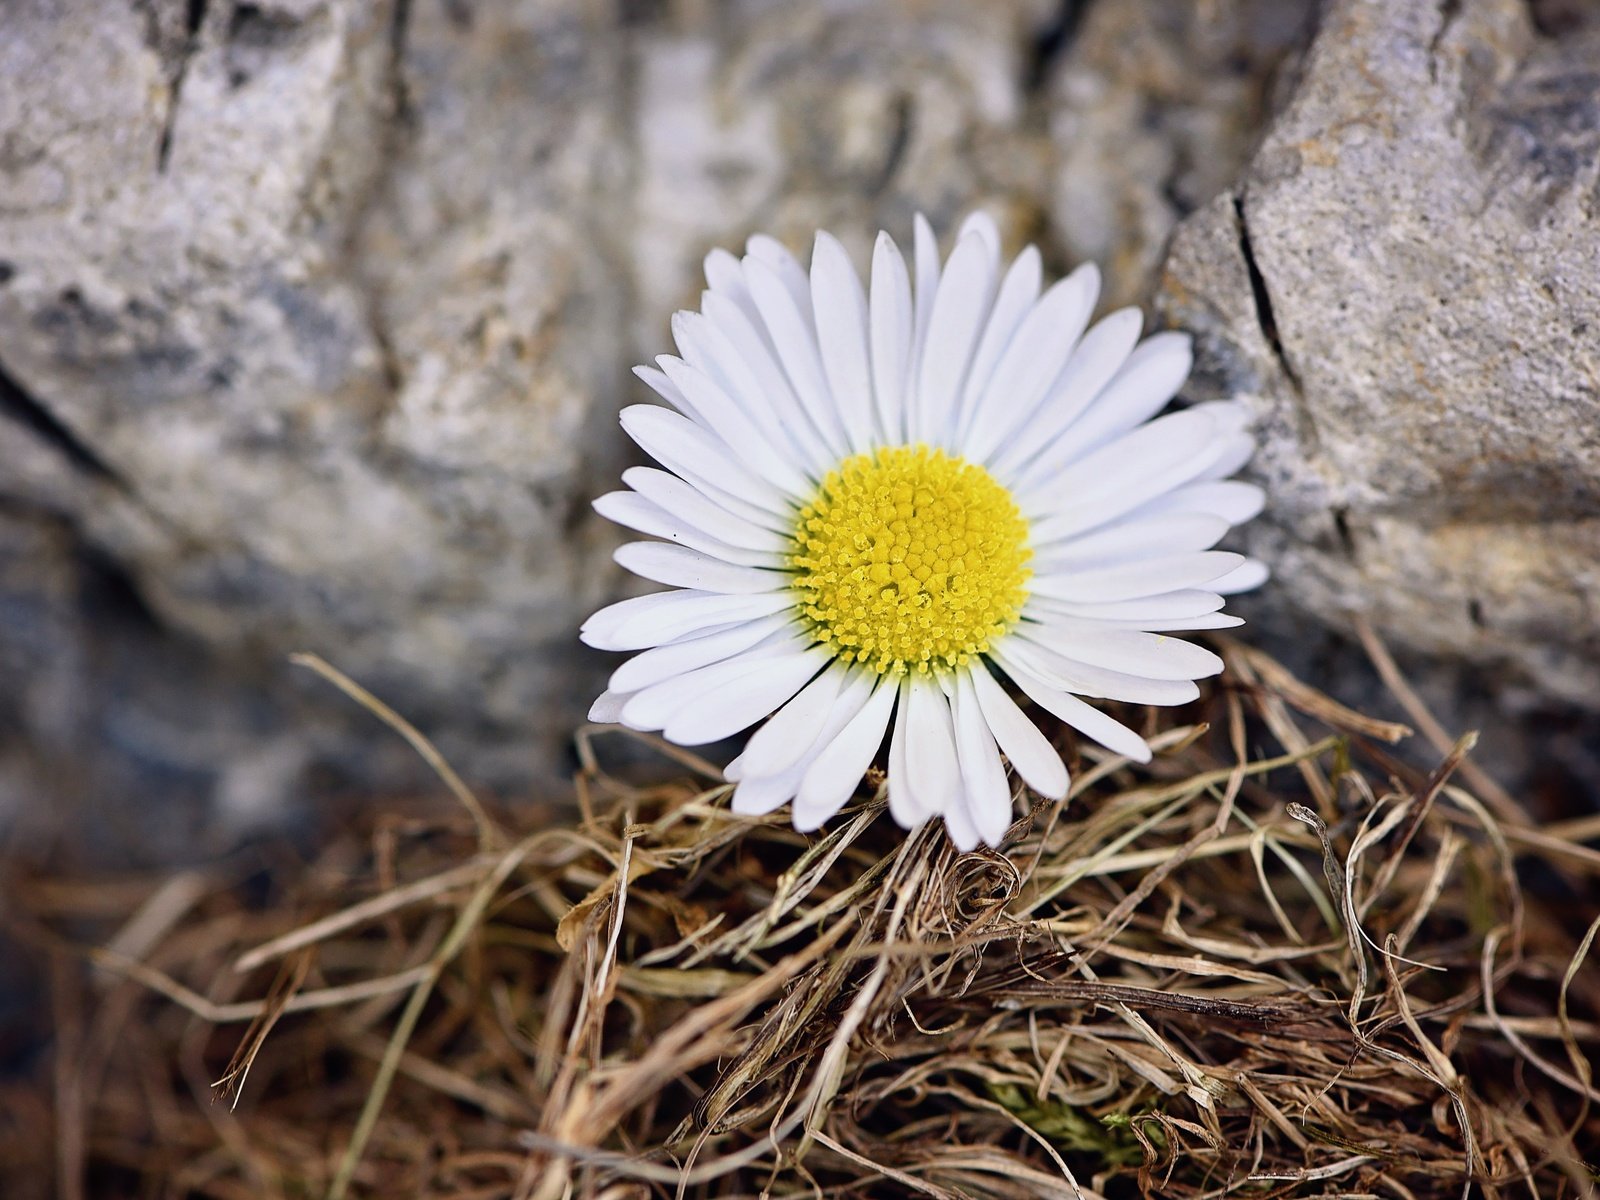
[(315, 316), (1406, 278)]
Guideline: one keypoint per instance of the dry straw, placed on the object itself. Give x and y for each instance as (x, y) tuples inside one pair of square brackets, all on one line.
[(1279, 961)]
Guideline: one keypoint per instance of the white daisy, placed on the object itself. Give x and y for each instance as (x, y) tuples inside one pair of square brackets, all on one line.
[(878, 503)]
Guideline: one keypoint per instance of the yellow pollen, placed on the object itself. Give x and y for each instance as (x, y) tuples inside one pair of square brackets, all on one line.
[(910, 560)]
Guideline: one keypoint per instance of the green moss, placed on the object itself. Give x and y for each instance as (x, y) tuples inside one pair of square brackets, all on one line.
[(1109, 1138)]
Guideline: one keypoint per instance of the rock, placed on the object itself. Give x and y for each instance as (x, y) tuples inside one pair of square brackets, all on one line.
[(1154, 110), (790, 118), (311, 368), (315, 316), (1404, 282), (100, 699)]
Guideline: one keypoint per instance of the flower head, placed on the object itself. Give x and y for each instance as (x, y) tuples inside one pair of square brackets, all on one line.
[(877, 504)]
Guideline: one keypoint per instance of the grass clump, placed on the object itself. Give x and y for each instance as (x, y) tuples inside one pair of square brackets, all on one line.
[(1277, 961)]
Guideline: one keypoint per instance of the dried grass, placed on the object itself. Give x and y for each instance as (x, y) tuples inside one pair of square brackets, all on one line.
[(1278, 961)]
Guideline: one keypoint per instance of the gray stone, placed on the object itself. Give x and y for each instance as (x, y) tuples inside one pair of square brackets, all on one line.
[(303, 333), (129, 744), (1406, 283), (1155, 109), (315, 316)]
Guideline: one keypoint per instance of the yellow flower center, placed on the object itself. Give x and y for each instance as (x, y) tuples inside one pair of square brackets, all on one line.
[(910, 560)]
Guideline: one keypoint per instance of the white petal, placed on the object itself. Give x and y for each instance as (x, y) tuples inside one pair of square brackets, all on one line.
[(722, 416), (1247, 575), (758, 797), (1020, 656), (678, 658), (807, 817), (891, 317), (604, 624), (633, 511), (981, 225), (1085, 718), (1036, 356), (925, 252), (774, 255), (748, 337), (699, 511), (783, 741), (983, 776), (959, 825), (1095, 360), (1120, 478), (1238, 449), (740, 700), (1233, 500), (1146, 577), (932, 772), (959, 310), (656, 380), (1144, 385), (1183, 624), (680, 445), (607, 708), (1233, 415), (655, 620), (1147, 655), (653, 707), (707, 346), (840, 308), (1019, 292), (1152, 454), (1031, 754), (1207, 460), (1125, 540), (833, 774), (901, 807), (679, 566), (1185, 602), (796, 345), (725, 277)]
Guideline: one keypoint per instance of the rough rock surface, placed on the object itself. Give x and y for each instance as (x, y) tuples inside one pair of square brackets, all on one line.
[(1407, 281), (315, 316), (1154, 108)]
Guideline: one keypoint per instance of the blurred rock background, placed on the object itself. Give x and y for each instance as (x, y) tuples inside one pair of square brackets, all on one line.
[(315, 316)]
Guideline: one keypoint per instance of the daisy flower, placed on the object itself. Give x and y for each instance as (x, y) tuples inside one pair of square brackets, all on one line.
[(877, 505)]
